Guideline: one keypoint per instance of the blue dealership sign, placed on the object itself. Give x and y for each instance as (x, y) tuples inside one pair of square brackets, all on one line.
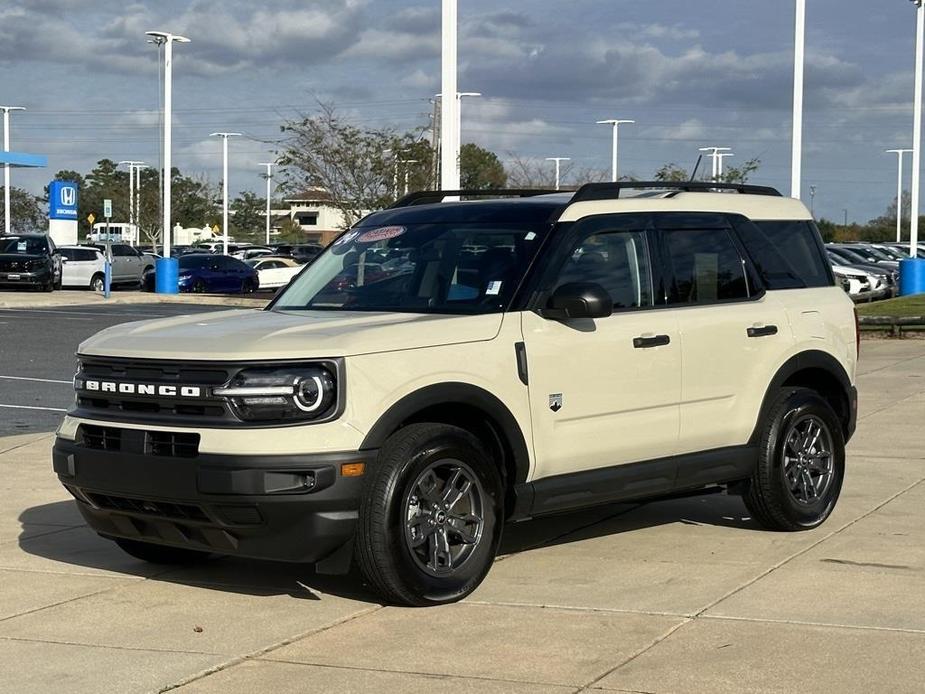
[(62, 200)]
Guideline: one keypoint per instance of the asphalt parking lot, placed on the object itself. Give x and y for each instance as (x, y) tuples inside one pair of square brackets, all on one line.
[(686, 595)]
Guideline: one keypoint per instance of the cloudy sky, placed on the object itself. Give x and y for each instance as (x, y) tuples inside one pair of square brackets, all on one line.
[(691, 73)]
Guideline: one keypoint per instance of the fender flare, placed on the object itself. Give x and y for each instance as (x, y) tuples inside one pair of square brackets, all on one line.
[(810, 359), (451, 394)]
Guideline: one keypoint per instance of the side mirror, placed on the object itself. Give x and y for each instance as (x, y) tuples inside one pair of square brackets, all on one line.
[(578, 300)]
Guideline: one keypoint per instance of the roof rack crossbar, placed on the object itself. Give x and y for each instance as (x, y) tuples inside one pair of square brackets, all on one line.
[(610, 191), (426, 197)]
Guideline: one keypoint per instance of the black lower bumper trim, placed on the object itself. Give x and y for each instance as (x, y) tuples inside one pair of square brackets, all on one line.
[(286, 508)]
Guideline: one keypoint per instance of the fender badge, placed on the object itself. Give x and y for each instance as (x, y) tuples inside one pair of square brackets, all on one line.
[(555, 402)]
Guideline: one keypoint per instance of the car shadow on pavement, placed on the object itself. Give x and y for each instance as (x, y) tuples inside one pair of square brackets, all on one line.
[(78, 547)]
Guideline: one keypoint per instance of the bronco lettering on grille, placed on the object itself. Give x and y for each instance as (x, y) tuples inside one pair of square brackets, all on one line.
[(143, 389)]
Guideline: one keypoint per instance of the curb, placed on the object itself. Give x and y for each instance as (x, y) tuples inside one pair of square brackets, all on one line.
[(66, 298)]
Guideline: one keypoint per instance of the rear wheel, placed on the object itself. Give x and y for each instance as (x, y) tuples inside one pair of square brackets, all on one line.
[(160, 554), (801, 463), (199, 287), (97, 283), (431, 516)]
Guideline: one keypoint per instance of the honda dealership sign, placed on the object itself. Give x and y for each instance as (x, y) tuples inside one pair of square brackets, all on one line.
[(62, 200), (62, 212)]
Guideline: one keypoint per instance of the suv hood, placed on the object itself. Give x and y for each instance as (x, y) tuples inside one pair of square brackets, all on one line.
[(257, 335)]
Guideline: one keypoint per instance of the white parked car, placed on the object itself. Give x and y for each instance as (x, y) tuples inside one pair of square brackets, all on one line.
[(274, 272), (84, 266)]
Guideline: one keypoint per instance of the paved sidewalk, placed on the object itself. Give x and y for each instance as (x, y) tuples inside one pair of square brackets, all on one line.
[(85, 297), (673, 596)]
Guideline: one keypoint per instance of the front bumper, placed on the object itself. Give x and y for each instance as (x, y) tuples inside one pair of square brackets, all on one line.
[(281, 507), (25, 279)]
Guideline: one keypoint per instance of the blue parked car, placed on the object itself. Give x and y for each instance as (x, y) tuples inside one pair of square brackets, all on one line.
[(204, 272)]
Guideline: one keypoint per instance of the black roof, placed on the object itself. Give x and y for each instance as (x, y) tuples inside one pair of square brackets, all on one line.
[(528, 210)]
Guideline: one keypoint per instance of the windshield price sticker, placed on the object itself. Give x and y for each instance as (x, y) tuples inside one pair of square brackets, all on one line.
[(381, 234), (494, 288)]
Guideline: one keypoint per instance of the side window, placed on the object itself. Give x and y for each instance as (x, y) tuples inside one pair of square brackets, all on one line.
[(69, 253), (787, 254), (706, 267), (87, 254), (618, 261)]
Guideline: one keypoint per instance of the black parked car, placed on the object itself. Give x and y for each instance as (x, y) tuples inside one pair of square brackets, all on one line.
[(301, 253), (29, 260), (205, 272)]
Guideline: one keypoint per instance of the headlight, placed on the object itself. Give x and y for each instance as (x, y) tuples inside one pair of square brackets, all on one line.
[(282, 394)]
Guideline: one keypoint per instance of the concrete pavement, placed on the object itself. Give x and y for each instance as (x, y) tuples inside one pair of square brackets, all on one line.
[(675, 596)]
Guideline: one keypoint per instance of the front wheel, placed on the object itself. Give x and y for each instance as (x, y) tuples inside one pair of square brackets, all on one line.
[(801, 463), (248, 286), (430, 517)]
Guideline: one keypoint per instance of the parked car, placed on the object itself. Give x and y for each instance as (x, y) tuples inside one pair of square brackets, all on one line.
[(904, 247), (882, 284), (208, 272), (858, 282), (84, 266), (29, 260), (128, 263), (274, 271), (251, 252), (589, 350), (302, 253)]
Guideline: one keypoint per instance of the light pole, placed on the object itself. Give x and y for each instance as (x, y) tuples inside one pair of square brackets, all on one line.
[(558, 160), (407, 170), (799, 43), (168, 40), (131, 190), (269, 176), (225, 137), (720, 156), (616, 123), (812, 201), (449, 108), (917, 129), (6, 167), (459, 97), (899, 190), (713, 153)]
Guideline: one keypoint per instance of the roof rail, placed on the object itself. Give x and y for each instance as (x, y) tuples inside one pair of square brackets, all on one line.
[(426, 197), (609, 191)]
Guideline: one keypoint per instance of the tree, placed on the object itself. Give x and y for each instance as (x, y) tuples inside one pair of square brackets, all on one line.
[(350, 163), (741, 174), (672, 173), (27, 212), (480, 168), (525, 172), (247, 223), (194, 201)]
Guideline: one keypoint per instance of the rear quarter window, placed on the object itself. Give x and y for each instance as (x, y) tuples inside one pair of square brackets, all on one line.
[(787, 254)]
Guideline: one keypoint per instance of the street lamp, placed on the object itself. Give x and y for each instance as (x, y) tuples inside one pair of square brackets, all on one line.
[(269, 176), (720, 156), (6, 167), (812, 201), (225, 137), (131, 191), (558, 160), (407, 170), (459, 98), (166, 273), (616, 123), (715, 157), (899, 190), (449, 108), (799, 43), (917, 132)]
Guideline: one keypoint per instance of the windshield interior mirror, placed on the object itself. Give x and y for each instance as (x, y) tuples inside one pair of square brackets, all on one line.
[(578, 300)]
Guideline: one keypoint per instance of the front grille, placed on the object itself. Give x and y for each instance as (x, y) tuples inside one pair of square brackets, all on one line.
[(161, 408), (100, 438), (162, 509), (173, 444), (168, 444)]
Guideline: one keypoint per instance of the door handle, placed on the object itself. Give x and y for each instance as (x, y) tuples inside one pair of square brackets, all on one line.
[(763, 331), (647, 342)]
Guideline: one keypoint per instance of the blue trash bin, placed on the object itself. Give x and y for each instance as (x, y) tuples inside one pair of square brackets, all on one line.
[(165, 276), (911, 276)]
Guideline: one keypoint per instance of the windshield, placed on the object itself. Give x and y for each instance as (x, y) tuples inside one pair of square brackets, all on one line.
[(18, 245), (418, 268)]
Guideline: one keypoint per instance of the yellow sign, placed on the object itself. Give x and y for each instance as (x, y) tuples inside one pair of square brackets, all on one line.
[(91, 218)]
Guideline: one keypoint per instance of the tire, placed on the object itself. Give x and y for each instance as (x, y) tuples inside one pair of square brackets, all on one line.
[(403, 535), (49, 286), (160, 554), (199, 287), (98, 283), (248, 287), (801, 463)]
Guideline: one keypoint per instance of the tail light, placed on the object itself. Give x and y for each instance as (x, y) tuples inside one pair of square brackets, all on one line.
[(857, 333)]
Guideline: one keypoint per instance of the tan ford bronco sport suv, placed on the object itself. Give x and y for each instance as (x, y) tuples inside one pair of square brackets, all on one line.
[(446, 367)]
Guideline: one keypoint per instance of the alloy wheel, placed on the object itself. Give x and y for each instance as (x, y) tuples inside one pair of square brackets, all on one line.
[(808, 463)]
